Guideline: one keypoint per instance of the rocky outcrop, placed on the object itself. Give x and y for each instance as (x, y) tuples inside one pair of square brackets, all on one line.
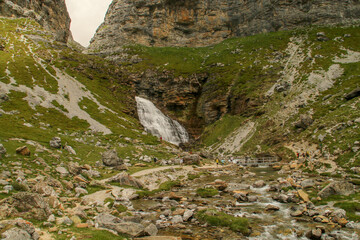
[(52, 15), (201, 23)]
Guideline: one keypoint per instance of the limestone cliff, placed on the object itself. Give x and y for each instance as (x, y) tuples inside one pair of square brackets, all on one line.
[(51, 14), (202, 23)]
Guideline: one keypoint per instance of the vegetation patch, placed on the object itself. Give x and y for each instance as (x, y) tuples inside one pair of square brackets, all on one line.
[(220, 219), (351, 208), (166, 186), (207, 192)]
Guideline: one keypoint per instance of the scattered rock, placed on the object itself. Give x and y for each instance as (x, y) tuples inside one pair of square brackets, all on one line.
[(125, 179), (308, 183), (192, 159), (80, 191), (111, 159), (177, 219), (4, 98), (55, 142), (30, 205), (24, 150), (353, 94), (314, 234), (297, 213), (187, 215), (70, 149), (304, 122), (15, 234), (113, 223), (272, 208), (282, 87), (151, 230), (2, 150), (63, 171), (259, 184), (337, 188), (304, 196)]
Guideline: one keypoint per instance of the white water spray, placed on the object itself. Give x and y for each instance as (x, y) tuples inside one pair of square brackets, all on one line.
[(158, 124)]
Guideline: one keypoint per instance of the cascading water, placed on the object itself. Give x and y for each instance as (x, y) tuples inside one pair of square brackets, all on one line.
[(158, 124)]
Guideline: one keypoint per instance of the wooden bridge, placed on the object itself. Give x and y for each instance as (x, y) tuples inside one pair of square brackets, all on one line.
[(249, 161)]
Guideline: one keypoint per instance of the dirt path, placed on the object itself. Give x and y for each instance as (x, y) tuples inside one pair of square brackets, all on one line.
[(159, 169)]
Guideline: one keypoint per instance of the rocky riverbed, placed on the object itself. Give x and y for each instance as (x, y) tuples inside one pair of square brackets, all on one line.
[(179, 202)]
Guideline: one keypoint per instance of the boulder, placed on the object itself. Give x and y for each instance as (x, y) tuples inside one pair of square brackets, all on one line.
[(187, 215), (337, 188), (4, 98), (151, 230), (353, 94), (74, 168), (15, 234), (177, 219), (314, 234), (24, 150), (55, 142), (220, 185), (70, 149), (192, 159), (2, 150), (259, 184), (304, 122), (308, 183), (63, 171), (30, 205), (272, 208), (44, 189), (111, 222), (125, 179), (111, 159), (304, 196)]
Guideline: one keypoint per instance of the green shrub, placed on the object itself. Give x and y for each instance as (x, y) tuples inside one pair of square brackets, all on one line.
[(19, 187), (221, 219), (121, 208), (207, 192)]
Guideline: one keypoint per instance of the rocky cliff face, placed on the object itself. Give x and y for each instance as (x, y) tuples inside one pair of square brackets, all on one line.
[(202, 23), (52, 14)]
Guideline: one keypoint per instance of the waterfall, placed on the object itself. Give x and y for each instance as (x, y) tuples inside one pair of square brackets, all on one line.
[(158, 124)]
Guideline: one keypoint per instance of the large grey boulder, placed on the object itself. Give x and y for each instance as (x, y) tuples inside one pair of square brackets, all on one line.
[(55, 142), (111, 222), (15, 234), (111, 159), (29, 205), (337, 188)]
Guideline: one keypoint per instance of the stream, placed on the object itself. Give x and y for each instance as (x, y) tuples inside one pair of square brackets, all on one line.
[(269, 225)]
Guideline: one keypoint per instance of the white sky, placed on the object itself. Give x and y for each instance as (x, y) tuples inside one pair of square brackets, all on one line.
[(86, 16)]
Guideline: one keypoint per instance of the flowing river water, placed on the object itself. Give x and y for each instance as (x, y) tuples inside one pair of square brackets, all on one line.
[(265, 225)]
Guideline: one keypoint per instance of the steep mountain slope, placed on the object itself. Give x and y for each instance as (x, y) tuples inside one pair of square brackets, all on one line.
[(203, 23), (52, 15), (50, 90)]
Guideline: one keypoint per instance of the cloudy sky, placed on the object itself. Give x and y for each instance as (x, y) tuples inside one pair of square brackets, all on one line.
[(86, 16)]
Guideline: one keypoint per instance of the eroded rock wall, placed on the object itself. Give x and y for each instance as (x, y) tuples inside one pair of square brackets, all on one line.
[(206, 22), (51, 14)]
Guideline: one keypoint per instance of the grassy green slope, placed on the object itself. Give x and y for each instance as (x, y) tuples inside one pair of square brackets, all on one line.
[(244, 69)]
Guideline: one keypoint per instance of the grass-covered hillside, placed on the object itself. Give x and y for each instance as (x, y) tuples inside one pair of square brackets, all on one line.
[(47, 90), (258, 88)]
